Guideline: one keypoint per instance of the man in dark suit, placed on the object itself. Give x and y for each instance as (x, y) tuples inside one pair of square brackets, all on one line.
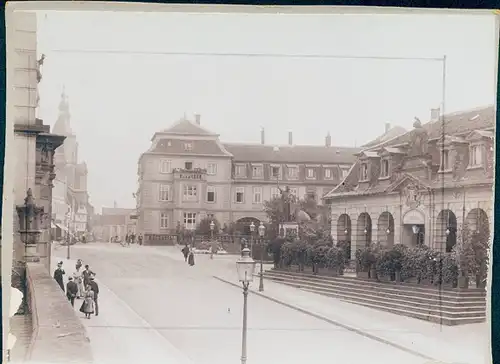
[(86, 275), (58, 275), (95, 287), (71, 290)]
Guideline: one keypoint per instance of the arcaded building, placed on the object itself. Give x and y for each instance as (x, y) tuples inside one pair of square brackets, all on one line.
[(188, 174), (421, 186)]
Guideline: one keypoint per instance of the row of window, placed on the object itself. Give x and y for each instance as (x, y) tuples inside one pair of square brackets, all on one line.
[(190, 193), (240, 171), (189, 220), (475, 160)]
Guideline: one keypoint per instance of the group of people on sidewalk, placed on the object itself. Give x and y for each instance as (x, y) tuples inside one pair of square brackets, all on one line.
[(81, 285)]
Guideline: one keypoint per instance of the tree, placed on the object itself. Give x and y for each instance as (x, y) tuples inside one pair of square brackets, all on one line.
[(203, 227)]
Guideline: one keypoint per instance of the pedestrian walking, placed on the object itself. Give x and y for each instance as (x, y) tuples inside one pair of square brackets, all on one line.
[(58, 275), (79, 264), (140, 239), (78, 279), (71, 291), (95, 288), (191, 257), (86, 275), (185, 252), (88, 303)]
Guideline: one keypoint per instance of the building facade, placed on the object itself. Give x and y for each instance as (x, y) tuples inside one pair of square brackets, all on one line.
[(70, 199), (189, 174), (420, 187), (113, 222), (35, 145)]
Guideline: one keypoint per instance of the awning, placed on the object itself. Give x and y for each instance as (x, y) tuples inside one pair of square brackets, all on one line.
[(62, 227)]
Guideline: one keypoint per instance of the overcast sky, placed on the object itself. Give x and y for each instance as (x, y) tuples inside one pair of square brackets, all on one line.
[(117, 101)]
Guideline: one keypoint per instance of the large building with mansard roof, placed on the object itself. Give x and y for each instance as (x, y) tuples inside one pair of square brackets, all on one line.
[(421, 186), (188, 174)]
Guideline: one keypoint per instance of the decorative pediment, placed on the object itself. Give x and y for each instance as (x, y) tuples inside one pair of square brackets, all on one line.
[(388, 151), (367, 155), (478, 135), (408, 185)]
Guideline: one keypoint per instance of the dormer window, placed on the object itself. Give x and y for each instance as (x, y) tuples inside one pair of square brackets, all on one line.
[(188, 147), (364, 172), (476, 156), (445, 161), (384, 168)]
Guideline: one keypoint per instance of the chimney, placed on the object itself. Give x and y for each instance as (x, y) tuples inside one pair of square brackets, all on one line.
[(262, 136), (435, 113), (290, 138), (387, 127), (328, 140), (197, 118)]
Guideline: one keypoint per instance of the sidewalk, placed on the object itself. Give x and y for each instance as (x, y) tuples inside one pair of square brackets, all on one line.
[(448, 344), (119, 335)]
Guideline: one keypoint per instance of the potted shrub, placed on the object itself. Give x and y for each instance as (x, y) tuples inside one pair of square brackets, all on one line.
[(319, 257), (364, 261), (335, 260), (399, 254)]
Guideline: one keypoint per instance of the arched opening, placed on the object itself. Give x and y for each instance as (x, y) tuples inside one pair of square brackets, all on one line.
[(243, 225), (364, 229), (344, 232), (413, 229), (385, 229), (478, 222), (446, 231)]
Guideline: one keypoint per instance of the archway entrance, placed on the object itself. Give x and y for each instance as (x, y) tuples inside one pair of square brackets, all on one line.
[(478, 222), (344, 228), (446, 231), (385, 229), (413, 231), (364, 229)]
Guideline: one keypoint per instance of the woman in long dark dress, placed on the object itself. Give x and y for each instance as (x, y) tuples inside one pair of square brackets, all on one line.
[(191, 257), (88, 303)]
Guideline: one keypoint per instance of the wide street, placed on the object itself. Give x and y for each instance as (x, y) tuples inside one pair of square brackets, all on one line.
[(155, 308)]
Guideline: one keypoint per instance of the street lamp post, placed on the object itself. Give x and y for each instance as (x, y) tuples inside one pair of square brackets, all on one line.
[(252, 230), (212, 227), (262, 230), (245, 267)]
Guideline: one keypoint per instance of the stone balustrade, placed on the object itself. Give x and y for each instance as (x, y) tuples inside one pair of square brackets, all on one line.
[(58, 334)]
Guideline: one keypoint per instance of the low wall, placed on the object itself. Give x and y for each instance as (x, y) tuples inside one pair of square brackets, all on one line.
[(58, 334)]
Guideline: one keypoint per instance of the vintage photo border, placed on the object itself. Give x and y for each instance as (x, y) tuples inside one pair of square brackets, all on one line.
[(7, 152)]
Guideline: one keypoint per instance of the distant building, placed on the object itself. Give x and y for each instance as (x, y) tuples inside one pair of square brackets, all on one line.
[(420, 187), (70, 198), (115, 221), (188, 174)]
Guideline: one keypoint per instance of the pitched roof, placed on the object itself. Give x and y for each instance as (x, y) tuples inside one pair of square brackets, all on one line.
[(454, 123), (291, 153), (388, 135), (186, 127), (198, 147)]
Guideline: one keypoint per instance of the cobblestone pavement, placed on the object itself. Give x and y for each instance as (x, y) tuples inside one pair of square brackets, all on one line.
[(153, 306)]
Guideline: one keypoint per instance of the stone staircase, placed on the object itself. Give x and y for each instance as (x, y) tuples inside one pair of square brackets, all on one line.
[(445, 306)]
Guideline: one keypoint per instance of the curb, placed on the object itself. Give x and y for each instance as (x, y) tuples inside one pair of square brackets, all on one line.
[(336, 323)]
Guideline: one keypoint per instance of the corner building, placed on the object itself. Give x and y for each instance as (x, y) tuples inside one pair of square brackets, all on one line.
[(420, 187), (188, 174)]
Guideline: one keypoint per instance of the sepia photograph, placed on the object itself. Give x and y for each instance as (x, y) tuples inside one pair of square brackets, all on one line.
[(220, 184)]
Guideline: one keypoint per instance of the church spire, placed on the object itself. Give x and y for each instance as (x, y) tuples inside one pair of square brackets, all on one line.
[(62, 125)]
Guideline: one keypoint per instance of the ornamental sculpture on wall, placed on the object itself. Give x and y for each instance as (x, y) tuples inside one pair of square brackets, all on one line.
[(412, 195)]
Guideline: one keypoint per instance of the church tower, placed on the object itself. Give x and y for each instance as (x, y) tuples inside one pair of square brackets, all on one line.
[(68, 153)]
